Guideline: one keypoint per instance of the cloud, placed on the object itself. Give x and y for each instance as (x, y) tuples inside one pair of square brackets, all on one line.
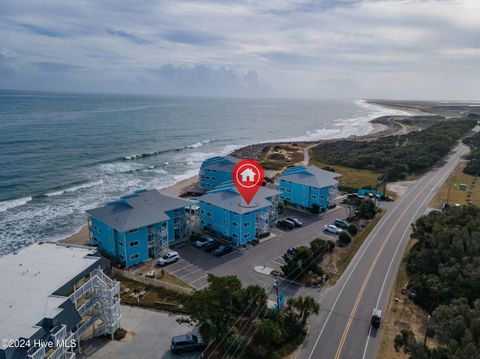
[(53, 67), (203, 79), (127, 36), (42, 31), (192, 38), (297, 48)]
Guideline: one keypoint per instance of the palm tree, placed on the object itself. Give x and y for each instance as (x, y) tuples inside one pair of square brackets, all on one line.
[(303, 307)]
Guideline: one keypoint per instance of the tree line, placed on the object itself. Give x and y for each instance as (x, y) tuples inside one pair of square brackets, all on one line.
[(473, 166), (397, 156), (443, 269)]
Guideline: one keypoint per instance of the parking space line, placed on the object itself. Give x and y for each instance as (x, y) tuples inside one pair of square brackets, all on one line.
[(179, 269), (186, 275), (274, 261), (174, 265), (196, 280), (203, 286)]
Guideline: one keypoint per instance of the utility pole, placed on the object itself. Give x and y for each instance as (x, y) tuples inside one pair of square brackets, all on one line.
[(426, 332), (448, 192), (275, 284)]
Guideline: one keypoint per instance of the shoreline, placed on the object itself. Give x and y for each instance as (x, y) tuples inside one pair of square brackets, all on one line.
[(180, 188)]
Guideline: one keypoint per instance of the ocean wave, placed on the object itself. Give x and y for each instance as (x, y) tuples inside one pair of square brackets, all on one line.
[(6, 205), (156, 153), (74, 188)]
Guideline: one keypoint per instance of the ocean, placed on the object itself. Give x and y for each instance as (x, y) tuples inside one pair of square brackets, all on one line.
[(61, 154)]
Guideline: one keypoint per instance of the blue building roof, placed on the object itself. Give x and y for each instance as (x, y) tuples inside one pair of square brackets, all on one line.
[(219, 163), (310, 176), (142, 208), (227, 197)]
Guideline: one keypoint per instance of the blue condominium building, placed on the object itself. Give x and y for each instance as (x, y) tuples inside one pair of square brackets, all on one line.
[(139, 226), (216, 171), (308, 188), (224, 212)]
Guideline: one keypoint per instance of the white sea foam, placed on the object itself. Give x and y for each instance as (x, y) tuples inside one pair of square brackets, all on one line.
[(74, 188), (6, 205)]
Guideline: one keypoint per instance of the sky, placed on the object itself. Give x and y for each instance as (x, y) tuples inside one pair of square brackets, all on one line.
[(267, 48)]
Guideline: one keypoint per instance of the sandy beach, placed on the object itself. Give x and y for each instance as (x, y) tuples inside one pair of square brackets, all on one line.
[(381, 127)]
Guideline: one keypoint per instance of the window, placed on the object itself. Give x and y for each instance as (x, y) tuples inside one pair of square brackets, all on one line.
[(133, 230), (246, 224), (122, 258), (246, 235), (134, 256), (235, 224), (235, 235), (203, 222), (120, 243), (209, 214), (133, 244), (313, 197)]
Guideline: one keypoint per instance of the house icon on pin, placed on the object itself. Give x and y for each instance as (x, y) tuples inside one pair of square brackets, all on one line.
[(248, 175)]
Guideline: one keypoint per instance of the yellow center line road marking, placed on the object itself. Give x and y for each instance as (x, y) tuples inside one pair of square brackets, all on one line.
[(372, 266), (427, 198)]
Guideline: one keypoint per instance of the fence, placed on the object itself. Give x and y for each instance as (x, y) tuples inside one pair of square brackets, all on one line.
[(151, 281)]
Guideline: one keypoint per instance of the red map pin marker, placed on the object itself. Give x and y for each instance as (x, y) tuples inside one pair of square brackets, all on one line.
[(248, 177)]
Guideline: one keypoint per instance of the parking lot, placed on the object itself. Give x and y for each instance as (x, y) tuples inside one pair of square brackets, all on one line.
[(195, 264)]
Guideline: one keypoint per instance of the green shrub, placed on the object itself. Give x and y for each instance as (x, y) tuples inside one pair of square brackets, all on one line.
[(344, 238), (352, 229)]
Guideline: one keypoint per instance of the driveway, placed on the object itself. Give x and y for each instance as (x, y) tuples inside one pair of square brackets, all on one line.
[(152, 332)]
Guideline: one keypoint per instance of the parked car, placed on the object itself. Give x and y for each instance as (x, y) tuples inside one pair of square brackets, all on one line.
[(341, 223), (290, 252), (203, 241), (330, 228), (210, 247), (168, 258), (285, 223), (222, 250), (187, 343), (295, 220), (376, 317)]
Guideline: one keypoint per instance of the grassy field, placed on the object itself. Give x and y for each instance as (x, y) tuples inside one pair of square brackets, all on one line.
[(351, 177), (470, 195), (341, 257), (401, 314)]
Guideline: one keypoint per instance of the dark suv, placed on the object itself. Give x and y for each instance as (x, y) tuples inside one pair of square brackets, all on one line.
[(187, 343)]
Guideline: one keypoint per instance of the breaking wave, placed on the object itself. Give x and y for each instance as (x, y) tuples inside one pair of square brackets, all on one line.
[(6, 205)]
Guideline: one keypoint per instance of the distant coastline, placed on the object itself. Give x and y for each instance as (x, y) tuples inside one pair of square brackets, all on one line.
[(381, 126)]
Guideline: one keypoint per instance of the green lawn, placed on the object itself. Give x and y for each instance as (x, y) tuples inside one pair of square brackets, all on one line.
[(351, 177)]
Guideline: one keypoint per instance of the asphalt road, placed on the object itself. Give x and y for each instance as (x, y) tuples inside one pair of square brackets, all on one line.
[(342, 329)]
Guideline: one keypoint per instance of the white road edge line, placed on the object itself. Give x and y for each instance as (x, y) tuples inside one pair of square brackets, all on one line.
[(371, 236), (443, 178)]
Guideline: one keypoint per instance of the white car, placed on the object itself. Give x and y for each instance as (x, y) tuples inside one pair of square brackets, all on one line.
[(168, 258), (203, 242), (330, 228)]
